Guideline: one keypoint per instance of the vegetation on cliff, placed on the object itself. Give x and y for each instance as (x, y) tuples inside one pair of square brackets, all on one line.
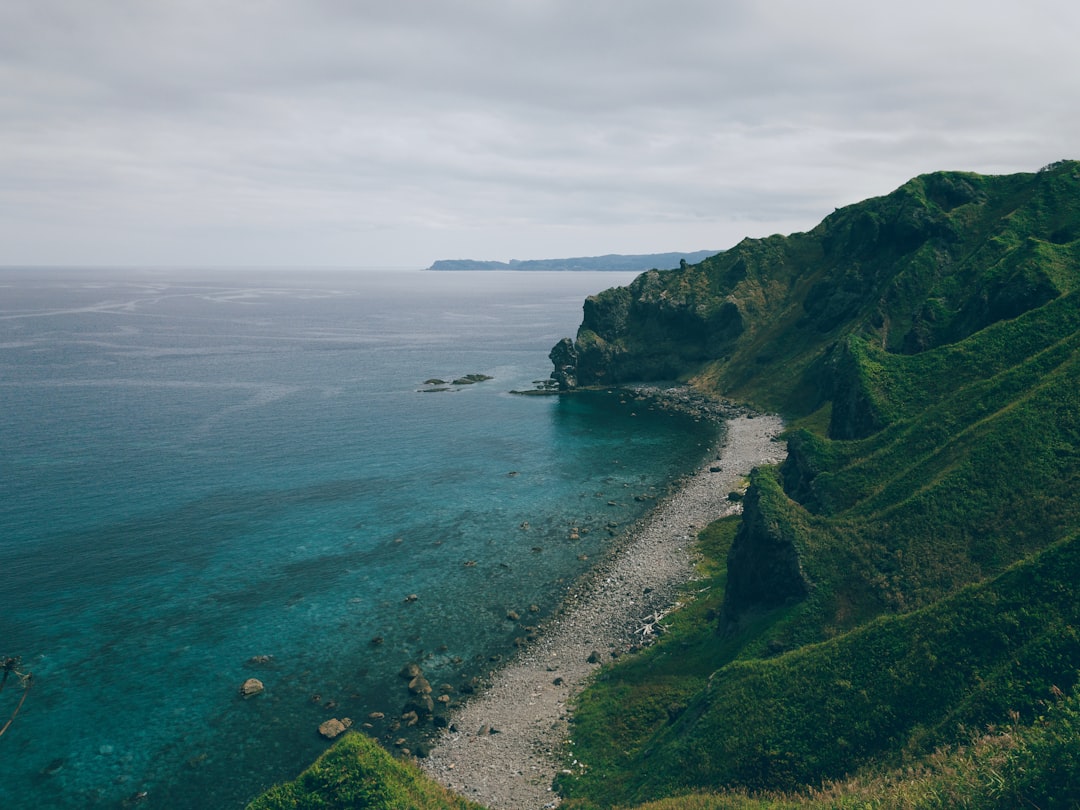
[(908, 577), (768, 321), (357, 773)]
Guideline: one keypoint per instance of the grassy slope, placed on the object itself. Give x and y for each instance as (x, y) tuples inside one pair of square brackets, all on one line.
[(1019, 764), (895, 688), (357, 773), (935, 261), (938, 532)]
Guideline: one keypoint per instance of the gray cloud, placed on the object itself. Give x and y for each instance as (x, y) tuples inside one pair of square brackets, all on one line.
[(334, 132)]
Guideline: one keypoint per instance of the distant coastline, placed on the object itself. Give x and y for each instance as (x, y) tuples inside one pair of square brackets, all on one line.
[(611, 261)]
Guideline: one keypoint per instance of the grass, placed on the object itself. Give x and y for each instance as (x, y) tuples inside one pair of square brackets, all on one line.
[(900, 686), (1021, 764), (930, 497), (357, 773)]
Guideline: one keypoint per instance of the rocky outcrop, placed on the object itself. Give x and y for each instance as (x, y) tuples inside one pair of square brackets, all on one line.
[(333, 728), (763, 568), (470, 379), (657, 328), (856, 411), (564, 357)]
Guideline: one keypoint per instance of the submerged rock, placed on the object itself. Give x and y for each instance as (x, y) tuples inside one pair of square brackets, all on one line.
[(54, 766), (469, 379), (410, 671), (419, 686)]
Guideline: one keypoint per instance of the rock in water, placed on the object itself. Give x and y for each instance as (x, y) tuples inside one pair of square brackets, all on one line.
[(333, 727), (420, 686), (564, 357), (251, 687)]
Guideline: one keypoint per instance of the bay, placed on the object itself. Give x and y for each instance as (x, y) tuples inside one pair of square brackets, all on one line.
[(207, 476)]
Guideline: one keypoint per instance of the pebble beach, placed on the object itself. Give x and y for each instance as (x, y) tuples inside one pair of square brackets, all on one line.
[(504, 746)]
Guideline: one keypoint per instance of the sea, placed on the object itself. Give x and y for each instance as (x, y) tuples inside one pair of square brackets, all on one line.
[(208, 476)]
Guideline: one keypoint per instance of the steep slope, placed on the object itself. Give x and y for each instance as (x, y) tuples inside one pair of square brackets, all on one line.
[(910, 571), (938, 259)]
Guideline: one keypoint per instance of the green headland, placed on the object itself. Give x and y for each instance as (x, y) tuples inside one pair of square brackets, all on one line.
[(894, 620)]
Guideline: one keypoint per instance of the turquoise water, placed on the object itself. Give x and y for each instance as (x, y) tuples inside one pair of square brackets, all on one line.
[(201, 468)]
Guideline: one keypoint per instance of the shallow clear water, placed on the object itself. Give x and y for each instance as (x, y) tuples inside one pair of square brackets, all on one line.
[(199, 468)]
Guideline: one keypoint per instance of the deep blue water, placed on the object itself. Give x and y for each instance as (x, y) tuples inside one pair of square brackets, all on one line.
[(199, 468)]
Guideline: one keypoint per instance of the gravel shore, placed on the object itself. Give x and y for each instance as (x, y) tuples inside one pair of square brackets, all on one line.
[(504, 745)]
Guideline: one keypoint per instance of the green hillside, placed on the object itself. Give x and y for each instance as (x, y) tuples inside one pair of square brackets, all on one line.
[(894, 621), (909, 575), (357, 773), (937, 260)]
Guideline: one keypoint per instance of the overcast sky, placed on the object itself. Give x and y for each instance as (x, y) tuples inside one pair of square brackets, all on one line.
[(397, 132)]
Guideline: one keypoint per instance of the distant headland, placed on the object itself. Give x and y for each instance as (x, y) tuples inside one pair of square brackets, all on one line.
[(612, 261)]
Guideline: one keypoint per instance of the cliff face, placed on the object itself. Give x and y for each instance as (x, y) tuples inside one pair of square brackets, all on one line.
[(652, 330), (910, 572), (916, 327), (942, 257)]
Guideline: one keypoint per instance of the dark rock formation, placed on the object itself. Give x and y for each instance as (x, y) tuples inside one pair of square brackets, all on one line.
[(469, 379), (565, 359), (763, 563)]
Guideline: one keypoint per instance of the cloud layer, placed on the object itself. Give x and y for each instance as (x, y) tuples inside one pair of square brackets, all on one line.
[(360, 133)]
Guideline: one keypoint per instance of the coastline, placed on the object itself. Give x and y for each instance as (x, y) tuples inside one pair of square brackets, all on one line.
[(504, 746)]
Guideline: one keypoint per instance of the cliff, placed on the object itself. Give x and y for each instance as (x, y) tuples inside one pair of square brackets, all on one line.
[(768, 321), (909, 573)]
